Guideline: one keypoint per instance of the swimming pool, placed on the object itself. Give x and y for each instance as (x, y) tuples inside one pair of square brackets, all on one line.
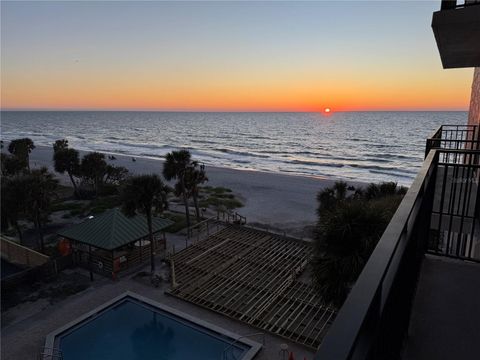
[(135, 328)]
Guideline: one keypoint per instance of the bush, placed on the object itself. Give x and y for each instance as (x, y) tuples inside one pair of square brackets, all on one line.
[(66, 206), (108, 190)]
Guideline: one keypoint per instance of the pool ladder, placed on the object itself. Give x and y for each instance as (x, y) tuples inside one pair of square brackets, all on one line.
[(232, 344), (48, 353)]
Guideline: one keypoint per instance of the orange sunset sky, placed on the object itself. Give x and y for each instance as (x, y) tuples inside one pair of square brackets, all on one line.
[(225, 57)]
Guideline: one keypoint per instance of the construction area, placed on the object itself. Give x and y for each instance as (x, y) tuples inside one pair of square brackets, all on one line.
[(255, 277)]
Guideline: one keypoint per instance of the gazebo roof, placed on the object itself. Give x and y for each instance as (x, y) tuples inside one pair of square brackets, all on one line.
[(112, 229)]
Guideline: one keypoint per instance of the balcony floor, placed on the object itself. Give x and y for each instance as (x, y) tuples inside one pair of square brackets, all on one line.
[(445, 320)]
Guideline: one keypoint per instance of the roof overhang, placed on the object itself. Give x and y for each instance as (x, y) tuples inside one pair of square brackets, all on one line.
[(457, 32)]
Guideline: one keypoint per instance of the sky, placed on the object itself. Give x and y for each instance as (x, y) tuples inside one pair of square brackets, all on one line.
[(225, 56)]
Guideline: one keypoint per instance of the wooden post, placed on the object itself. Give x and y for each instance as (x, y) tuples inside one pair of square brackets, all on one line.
[(90, 261), (172, 270)]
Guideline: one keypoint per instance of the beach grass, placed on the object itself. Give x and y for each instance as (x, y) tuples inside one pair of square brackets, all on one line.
[(180, 221), (219, 203), (218, 198), (67, 205)]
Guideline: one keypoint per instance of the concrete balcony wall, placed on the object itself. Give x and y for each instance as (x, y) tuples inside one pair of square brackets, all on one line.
[(474, 113)]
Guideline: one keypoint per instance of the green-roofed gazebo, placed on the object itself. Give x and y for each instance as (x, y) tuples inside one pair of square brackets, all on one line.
[(112, 242)]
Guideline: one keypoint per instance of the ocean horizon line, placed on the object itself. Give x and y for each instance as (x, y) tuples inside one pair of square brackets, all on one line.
[(228, 111)]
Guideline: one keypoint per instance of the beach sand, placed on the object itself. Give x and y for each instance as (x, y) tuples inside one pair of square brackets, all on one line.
[(281, 201)]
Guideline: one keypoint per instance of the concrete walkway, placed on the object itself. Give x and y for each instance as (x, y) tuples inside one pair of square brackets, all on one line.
[(445, 320)]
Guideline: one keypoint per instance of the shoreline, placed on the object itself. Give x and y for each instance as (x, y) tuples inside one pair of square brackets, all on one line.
[(283, 201)]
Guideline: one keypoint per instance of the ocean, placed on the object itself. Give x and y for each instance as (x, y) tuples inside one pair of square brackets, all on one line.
[(362, 146)]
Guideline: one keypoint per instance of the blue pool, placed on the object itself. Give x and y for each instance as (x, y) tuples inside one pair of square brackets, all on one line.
[(130, 329)]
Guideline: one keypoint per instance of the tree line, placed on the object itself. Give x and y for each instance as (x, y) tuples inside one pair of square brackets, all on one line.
[(90, 176), (147, 194), (28, 194)]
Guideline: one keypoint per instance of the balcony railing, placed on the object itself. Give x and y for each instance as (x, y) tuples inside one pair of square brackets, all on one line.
[(454, 137), (455, 214), (439, 214)]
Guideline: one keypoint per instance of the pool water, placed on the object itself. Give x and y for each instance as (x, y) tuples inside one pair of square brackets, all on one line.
[(131, 330)]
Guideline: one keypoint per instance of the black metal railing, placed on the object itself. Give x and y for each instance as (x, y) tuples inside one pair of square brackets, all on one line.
[(374, 319), (455, 213), (454, 137)]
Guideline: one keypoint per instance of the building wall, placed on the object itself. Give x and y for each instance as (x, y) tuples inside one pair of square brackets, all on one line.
[(474, 113), (18, 254)]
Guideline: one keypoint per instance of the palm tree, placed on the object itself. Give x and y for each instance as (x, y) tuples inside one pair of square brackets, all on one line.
[(41, 190), (194, 177), (66, 160), (175, 168), (329, 197), (14, 200), (348, 230), (145, 194), (93, 168), (22, 148), (11, 165)]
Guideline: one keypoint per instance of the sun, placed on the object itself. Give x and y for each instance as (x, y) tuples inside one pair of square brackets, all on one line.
[(327, 110)]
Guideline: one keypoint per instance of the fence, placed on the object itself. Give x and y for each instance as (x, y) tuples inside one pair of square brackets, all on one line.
[(454, 137), (16, 253), (43, 272), (208, 226), (455, 215)]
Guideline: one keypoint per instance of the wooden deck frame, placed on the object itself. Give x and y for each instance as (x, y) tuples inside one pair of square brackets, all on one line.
[(253, 276)]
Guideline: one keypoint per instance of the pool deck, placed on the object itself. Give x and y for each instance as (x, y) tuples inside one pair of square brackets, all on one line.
[(24, 338)]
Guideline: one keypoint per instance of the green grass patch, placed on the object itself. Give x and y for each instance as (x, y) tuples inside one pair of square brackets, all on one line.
[(224, 196), (102, 204), (218, 198), (64, 192), (76, 212), (63, 206), (180, 222), (216, 190), (95, 206), (219, 203)]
